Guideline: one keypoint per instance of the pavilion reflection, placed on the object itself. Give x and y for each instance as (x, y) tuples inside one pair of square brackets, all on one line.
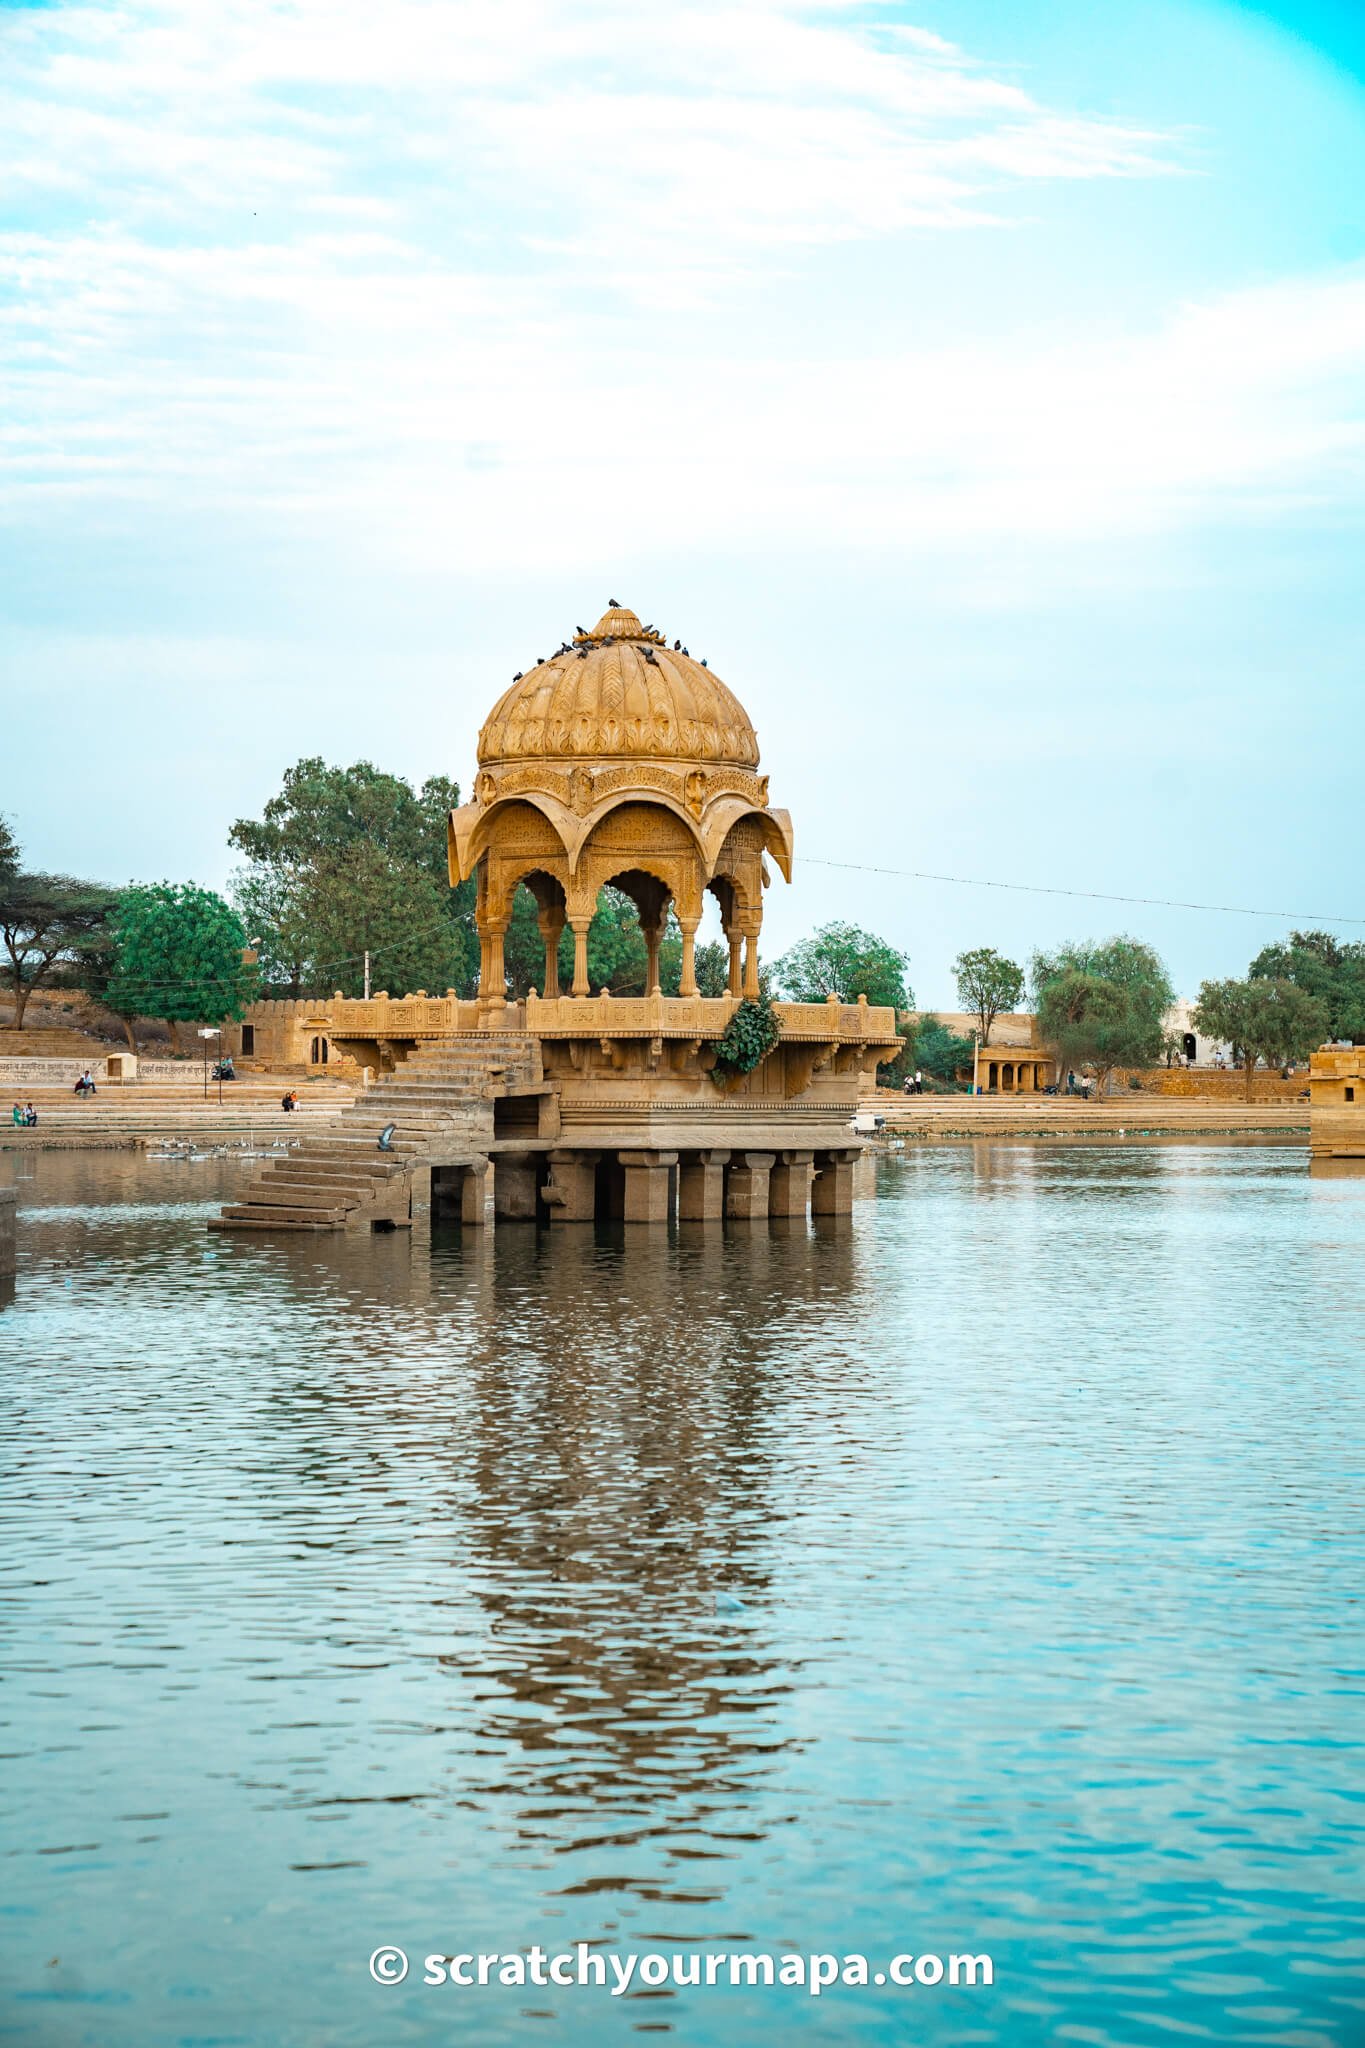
[(624, 1525), (605, 1506)]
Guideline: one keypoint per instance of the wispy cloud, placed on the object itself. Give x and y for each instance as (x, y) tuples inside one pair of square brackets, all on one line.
[(468, 268)]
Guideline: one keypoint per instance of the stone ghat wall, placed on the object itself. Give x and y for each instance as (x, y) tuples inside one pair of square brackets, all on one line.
[(1213, 1084)]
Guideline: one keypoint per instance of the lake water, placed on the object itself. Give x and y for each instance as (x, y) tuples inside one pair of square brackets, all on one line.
[(980, 1577)]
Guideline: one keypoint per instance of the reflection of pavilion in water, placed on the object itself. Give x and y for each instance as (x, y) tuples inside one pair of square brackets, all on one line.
[(625, 1518), (611, 1467)]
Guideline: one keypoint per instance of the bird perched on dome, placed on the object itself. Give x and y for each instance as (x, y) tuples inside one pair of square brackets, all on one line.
[(612, 605)]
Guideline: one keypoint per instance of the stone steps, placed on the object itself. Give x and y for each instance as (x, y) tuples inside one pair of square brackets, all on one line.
[(337, 1174)]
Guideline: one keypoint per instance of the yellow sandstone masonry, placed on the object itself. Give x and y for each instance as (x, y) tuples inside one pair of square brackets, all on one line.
[(619, 760)]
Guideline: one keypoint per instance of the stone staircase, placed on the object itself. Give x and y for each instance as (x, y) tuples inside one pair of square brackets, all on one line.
[(49, 1042), (440, 1101)]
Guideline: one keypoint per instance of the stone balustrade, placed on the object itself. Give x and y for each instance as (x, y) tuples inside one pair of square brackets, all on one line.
[(703, 1017)]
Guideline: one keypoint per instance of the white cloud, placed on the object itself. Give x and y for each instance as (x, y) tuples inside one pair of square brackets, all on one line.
[(492, 278)]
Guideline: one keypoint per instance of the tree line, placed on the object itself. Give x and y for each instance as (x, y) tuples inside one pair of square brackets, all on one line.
[(349, 861)]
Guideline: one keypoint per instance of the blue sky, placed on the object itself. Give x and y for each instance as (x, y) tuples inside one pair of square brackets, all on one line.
[(979, 385)]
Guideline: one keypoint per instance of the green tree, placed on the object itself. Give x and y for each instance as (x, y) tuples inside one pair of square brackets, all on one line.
[(342, 852), (1265, 1019), (1102, 1004), (842, 961), (939, 1051), (988, 983), (712, 965), (362, 898), (178, 955), (48, 923), (9, 852), (1321, 965)]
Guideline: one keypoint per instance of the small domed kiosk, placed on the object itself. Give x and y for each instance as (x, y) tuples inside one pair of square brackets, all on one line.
[(619, 760)]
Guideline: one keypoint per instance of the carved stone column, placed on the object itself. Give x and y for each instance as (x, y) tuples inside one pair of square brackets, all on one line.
[(571, 1195), (474, 1193), (551, 923), (746, 1190), (493, 975), (735, 940), (687, 985), (514, 1187), (647, 1185), (832, 1190), (750, 984), (653, 933), (701, 1187), (789, 1184), (581, 985)]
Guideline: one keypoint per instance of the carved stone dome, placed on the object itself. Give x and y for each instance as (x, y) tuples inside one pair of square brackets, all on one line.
[(619, 692)]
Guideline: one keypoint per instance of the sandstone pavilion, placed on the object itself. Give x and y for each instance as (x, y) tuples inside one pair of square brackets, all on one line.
[(620, 759)]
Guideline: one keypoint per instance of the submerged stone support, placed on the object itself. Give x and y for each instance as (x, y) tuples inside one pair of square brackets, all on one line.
[(832, 1189), (647, 1185), (514, 1187), (789, 1184), (701, 1187), (746, 1187), (571, 1192), (475, 1189)]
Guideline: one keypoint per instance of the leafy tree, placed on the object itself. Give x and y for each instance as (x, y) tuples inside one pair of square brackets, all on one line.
[(47, 923), (893, 1071), (322, 810), (364, 899), (988, 983), (927, 1047), (1321, 965), (712, 964), (272, 904), (1101, 1004), (9, 852), (1092, 1022), (939, 1051), (178, 955), (1131, 963), (1267, 1019), (345, 852), (842, 961)]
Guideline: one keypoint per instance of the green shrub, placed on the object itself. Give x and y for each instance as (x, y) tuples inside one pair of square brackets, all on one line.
[(747, 1040)]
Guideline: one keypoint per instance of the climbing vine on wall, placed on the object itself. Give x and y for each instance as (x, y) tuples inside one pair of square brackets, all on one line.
[(748, 1038)]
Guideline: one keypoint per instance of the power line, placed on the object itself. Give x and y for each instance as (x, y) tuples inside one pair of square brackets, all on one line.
[(1297, 917)]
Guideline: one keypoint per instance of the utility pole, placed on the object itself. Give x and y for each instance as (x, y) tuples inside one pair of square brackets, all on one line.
[(976, 1062), (367, 974)]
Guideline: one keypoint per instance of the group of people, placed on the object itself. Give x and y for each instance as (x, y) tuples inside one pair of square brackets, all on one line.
[(914, 1083), (289, 1101), (86, 1084), (1080, 1084), (25, 1117)]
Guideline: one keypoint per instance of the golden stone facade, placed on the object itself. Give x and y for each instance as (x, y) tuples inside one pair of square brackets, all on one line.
[(619, 760)]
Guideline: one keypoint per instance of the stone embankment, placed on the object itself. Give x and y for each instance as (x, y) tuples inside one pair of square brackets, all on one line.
[(1130, 1117), (149, 1110), (440, 1102)]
